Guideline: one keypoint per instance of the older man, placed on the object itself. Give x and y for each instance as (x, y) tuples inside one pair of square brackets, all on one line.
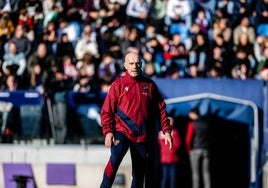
[(128, 118)]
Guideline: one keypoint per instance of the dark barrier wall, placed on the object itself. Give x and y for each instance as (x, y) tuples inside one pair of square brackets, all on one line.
[(231, 100), (255, 91), (251, 90)]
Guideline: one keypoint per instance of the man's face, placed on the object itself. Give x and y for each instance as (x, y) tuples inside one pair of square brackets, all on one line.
[(133, 64)]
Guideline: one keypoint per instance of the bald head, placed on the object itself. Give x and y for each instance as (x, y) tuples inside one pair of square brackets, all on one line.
[(132, 56), (133, 64)]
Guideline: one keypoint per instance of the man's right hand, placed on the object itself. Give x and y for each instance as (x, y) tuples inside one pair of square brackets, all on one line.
[(109, 139)]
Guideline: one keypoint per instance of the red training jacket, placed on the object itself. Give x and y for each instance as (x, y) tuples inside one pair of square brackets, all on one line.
[(132, 106)]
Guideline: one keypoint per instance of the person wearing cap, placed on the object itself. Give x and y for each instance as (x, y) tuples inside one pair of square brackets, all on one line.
[(128, 115)]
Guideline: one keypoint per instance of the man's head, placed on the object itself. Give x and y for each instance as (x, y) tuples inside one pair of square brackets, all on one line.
[(133, 64), (194, 113)]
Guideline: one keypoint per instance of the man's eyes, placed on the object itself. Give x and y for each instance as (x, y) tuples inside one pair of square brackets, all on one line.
[(138, 63)]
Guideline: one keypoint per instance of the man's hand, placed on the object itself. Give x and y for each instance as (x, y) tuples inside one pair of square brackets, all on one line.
[(109, 139), (168, 139)]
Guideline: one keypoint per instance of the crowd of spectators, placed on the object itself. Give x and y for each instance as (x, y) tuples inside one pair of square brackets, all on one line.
[(85, 40), (56, 46)]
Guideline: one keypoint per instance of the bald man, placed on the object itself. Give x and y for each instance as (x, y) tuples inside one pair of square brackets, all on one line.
[(128, 115)]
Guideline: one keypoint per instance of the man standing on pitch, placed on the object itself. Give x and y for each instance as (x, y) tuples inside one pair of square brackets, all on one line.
[(128, 115)]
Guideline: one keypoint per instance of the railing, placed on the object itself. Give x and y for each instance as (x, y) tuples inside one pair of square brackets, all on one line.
[(26, 115)]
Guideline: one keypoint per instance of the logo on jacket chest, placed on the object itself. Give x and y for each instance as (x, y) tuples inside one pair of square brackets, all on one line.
[(144, 89)]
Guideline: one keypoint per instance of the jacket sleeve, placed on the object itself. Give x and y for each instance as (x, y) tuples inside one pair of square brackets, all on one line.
[(108, 111), (161, 105), (189, 136)]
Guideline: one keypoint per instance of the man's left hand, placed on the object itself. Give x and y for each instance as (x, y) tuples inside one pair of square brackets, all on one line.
[(168, 139)]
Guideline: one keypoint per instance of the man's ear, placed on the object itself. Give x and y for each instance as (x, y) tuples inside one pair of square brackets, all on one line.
[(124, 67)]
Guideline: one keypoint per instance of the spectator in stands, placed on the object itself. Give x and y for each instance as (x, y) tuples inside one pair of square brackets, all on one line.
[(260, 45), (214, 72), (27, 22), (263, 63), (226, 52), (157, 15), (42, 57), (203, 21), (175, 51), (6, 30), (245, 45), (149, 70), (198, 53), (120, 130), (241, 68), (49, 37), (89, 29), (14, 62), (110, 42), (36, 78), (82, 84), (131, 40), (48, 5), (153, 52), (225, 9), (192, 71), (115, 16), (71, 28), (5, 6), (242, 9), (52, 9), (38, 17), (169, 159), (194, 30), (11, 82), (103, 89), (153, 68), (84, 45), (137, 12), (108, 68), (242, 71), (217, 61), (69, 69), (244, 27), (88, 64), (198, 146), (221, 27), (264, 73), (21, 41), (65, 47), (173, 72), (150, 32), (178, 12), (95, 12), (262, 17)]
